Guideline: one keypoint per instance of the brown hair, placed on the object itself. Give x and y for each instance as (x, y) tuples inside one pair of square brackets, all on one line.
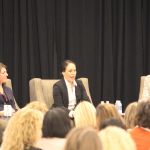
[(65, 64), (56, 123), (142, 117), (129, 117), (106, 111), (83, 139)]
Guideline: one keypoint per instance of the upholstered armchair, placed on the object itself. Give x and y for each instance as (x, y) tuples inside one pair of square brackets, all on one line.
[(42, 89), (141, 86)]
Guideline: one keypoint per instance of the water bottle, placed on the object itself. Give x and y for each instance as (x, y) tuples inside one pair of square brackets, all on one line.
[(118, 106)]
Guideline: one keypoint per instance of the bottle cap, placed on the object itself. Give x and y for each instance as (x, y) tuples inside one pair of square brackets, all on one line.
[(102, 102)]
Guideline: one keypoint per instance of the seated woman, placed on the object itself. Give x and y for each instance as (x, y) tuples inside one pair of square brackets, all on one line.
[(6, 94), (56, 125), (106, 111), (112, 122), (129, 116), (141, 133), (85, 115), (68, 92), (23, 130), (115, 138), (83, 138)]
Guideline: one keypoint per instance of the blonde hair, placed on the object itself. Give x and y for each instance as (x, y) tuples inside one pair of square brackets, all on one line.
[(3, 124), (23, 130), (130, 113), (85, 115), (83, 139), (106, 111), (116, 138), (41, 106)]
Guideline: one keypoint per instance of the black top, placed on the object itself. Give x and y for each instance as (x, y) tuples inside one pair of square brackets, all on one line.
[(60, 93), (7, 98)]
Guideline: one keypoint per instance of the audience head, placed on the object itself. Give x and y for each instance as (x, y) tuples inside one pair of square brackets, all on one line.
[(106, 111), (112, 122), (41, 106), (3, 73), (116, 138), (85, 115), (142, 117), (69, 70), (129, 117), (23, 130), (56, 123), (83, 139)]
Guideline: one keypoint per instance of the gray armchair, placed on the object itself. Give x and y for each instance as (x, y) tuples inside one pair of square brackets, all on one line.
[(42, 89)]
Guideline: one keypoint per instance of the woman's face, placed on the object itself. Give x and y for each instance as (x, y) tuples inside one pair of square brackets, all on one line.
[(3, 75), (70, 73)]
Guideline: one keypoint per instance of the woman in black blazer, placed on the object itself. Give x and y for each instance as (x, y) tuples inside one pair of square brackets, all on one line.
[(68, 92)]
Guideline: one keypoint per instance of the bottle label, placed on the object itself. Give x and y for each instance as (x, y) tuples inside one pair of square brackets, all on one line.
[(7, 110), (118, 106)]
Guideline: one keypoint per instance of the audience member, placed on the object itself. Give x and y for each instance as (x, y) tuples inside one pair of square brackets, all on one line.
[(41, 106), (23, 130), (116, 138), (129, 116), (141, 133), (85, 115), (112, 122), (106, 111), (56, 125), (68, 92), (83, 139)]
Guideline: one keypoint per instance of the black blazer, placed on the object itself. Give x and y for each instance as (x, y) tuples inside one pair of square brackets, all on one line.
[(60, 93), (8, 98)]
